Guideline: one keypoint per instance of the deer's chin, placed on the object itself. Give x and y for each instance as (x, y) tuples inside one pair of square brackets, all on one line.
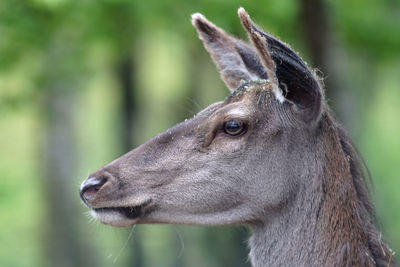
[(112, 217)]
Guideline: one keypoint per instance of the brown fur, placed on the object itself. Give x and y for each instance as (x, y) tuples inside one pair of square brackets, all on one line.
[(346, 211), (352, 215)]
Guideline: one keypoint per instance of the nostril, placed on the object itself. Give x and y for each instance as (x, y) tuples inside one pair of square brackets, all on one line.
[(90, 192), (90, 187)]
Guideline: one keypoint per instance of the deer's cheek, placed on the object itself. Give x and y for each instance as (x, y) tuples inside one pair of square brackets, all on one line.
[(224, 144)]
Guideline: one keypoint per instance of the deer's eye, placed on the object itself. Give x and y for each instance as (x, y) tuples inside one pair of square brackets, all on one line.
[(234, 127)]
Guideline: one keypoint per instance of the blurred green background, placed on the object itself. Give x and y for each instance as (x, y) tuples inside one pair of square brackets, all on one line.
[(82, 82)]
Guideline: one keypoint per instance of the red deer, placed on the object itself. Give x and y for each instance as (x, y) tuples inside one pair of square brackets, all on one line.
[(271, 156)]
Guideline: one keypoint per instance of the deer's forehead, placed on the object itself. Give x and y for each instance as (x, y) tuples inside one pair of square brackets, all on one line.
[(241, 103)]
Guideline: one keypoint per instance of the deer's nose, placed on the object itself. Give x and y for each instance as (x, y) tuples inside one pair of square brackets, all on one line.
[(90, 187)]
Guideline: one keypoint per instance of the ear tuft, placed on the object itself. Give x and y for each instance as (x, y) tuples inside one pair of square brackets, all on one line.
[(200, 22), (245, 19), (196, 16)]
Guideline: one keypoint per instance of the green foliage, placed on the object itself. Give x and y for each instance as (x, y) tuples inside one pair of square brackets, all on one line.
[(46, 42), (371, 27)]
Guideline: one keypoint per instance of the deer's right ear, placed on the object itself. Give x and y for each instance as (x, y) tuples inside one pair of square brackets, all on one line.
[(236, 61)]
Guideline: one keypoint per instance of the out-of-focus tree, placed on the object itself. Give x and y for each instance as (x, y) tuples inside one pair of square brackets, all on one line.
[(151, 53)]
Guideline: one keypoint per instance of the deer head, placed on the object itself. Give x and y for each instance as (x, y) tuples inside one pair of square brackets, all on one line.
[(236, 161), (270, 156)]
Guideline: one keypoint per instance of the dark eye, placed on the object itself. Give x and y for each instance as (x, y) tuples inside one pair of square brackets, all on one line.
[(234, 127)]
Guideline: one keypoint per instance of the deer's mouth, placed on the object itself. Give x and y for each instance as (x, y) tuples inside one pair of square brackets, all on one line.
[(128, 213)]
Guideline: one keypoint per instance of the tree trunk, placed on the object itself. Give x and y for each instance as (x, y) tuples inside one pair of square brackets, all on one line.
[(63, 245), (126, 76), (317, 31), (327, 55)]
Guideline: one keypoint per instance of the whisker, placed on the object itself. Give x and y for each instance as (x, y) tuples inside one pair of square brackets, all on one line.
[(194, 107), (125, 244), (182, 243)]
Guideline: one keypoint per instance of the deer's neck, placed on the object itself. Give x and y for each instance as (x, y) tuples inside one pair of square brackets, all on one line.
[(291, 237), (325, 224)]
